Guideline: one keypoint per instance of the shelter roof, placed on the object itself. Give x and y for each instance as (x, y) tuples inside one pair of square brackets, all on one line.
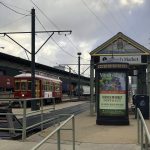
[(120, 45)]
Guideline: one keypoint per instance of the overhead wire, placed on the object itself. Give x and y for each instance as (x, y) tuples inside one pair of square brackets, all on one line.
[(97, 17), (49, 60), (24, 15), (17, 20), (111, 14), (76, 47), (45, 15), (56, 28), (17, 12), (125, 18), (54, 39), (12, 43), (15, 6)]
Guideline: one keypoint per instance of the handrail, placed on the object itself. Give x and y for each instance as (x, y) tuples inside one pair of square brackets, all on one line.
[(142, 131), (24, 115), (58, 133)]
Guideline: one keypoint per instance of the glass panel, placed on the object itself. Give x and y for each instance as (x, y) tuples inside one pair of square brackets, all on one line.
[(23, 86), (57, 86), (29, 85), (17, 85), (51, 86)]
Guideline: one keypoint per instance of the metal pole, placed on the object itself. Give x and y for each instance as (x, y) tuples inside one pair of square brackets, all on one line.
[(70, 90), (92, 86), (148, 79), (58, 139), (42, 113), (146, 142), (79, 75), (33, 103), (73, 132), (141, 135), (24, 121), (138, 127)]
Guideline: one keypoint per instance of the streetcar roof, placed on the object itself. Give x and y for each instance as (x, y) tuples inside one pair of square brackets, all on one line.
[(28, 75)]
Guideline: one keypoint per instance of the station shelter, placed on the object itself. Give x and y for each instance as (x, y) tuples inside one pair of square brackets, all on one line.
[(122, 49)]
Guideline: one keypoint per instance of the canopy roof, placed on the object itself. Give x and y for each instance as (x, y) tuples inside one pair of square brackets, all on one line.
[(120, 45)]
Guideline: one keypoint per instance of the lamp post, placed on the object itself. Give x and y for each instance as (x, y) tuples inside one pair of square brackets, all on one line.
[(79, 53)]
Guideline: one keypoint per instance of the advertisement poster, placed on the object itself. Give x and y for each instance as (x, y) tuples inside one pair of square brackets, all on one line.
[(112, 94)]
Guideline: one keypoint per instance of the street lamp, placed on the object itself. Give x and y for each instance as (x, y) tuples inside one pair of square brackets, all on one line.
[(79, 54)]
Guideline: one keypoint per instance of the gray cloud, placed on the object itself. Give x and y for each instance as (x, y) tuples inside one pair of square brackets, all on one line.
[(88, 30)]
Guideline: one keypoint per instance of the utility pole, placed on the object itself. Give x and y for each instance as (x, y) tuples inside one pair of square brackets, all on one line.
[(33, 53), (34, 105), (33, 102), (79, 75)]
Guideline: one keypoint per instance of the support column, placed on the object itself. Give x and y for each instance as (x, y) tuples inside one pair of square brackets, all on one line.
[(33, 103), (148, 79), (141, 81), (92, 86)]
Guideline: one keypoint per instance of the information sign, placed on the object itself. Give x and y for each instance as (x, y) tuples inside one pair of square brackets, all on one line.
[(112, 94)]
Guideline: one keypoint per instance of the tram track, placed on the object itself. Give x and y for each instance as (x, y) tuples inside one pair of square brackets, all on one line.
[(53, 116)]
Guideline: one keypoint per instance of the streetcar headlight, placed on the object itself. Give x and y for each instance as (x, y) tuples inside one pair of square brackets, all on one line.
[(22, 95)]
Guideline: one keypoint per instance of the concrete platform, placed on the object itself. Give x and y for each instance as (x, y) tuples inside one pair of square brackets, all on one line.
[(89, 136)]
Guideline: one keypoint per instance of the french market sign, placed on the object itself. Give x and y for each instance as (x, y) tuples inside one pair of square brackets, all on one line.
[(123, 59)]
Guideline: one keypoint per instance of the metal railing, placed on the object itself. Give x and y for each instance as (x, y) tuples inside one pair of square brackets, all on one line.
[(142, 131), (6, 94), (57, 130), (9, 115)]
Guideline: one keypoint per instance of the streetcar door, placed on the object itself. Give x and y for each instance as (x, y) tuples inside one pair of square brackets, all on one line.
[(37, 88)]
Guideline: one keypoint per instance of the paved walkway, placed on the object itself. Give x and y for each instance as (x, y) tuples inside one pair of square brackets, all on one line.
[(89, 136)]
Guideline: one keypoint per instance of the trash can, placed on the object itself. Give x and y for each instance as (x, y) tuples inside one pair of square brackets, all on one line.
[(142, 102)]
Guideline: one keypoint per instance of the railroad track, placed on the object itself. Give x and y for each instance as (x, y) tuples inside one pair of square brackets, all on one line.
[(53, 116)]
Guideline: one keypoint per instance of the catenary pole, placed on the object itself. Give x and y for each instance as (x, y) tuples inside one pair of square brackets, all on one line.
[(33, 53), (33, 103)]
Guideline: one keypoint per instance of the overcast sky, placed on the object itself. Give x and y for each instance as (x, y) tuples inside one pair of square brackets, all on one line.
[(92, 23)]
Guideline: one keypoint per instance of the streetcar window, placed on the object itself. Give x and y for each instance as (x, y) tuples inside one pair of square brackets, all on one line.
[(23, 86), (47, 86), (44, 85), (57, 87), (29, 85), (51, 86), (17, 85)]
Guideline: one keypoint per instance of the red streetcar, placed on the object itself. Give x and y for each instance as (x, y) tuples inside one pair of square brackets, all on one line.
[(45, 86)]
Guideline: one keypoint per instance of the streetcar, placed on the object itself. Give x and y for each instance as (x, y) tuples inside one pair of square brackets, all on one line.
[(45, 86)]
